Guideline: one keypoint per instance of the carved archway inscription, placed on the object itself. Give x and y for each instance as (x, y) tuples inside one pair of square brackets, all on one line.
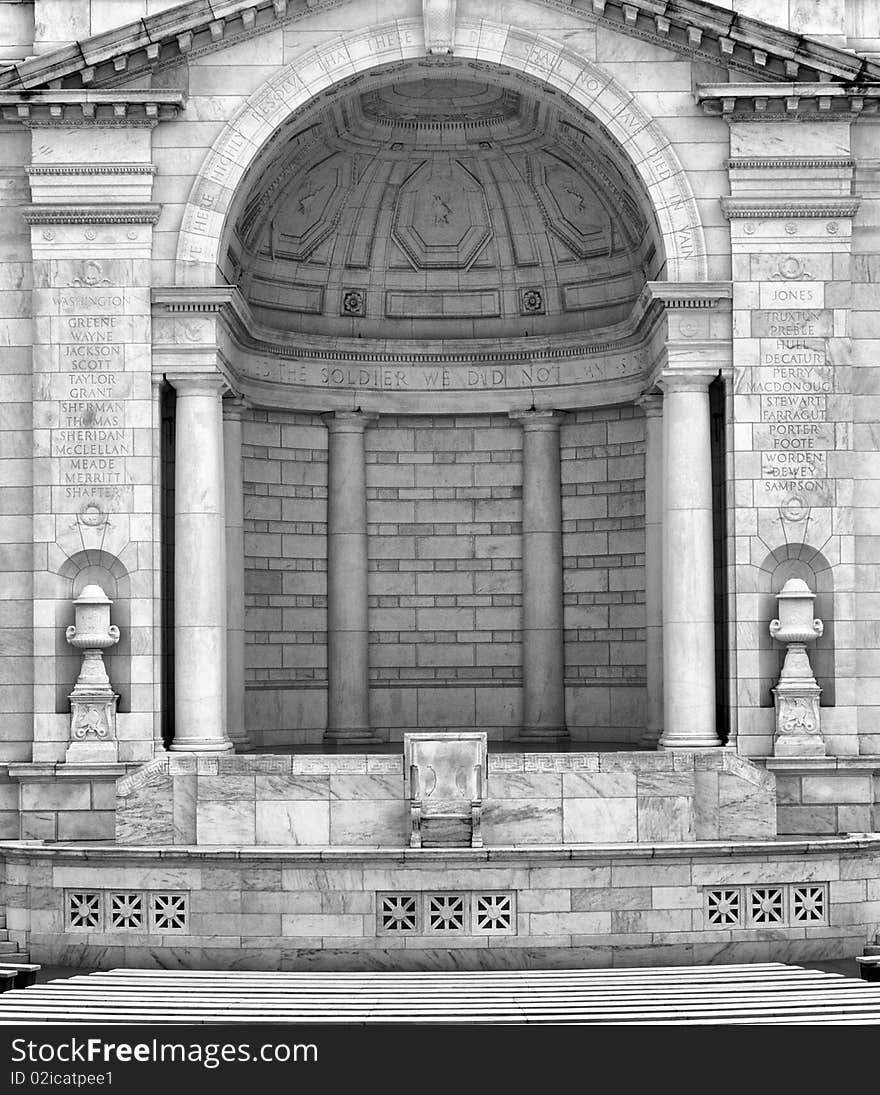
[(315, 70)]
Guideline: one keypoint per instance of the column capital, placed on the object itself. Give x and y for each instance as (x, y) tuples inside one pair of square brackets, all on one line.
[(348, 421), (201, 383), (687, 380), (538, 420), (651, 403)]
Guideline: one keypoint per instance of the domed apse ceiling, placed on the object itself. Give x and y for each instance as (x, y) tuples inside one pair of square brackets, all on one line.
[(441, 203)]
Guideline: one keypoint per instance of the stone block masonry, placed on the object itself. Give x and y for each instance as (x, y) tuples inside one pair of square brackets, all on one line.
[(359, 800), (787, 901)]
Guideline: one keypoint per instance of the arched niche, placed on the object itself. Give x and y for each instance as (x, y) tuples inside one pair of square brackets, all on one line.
[(804, 562), (100, 568), (556, 66)]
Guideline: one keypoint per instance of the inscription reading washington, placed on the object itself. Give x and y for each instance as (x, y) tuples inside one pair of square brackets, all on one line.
[(91, 441)]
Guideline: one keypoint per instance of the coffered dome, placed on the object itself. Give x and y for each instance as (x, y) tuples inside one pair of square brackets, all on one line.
[(443, 204)]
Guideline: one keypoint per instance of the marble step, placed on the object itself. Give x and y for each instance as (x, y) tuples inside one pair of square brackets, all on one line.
[(769, 993), (869, 967), (23, 972)]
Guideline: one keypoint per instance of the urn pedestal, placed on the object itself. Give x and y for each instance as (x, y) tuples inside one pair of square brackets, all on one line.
[(796, 695), (92, 701)]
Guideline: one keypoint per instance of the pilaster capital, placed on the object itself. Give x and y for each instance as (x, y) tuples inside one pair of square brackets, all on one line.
[(234, 407), (534, 420), (651, 403), (348, 421)]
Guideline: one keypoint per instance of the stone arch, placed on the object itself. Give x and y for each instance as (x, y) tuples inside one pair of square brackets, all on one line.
[(797, 560), (317, 69)]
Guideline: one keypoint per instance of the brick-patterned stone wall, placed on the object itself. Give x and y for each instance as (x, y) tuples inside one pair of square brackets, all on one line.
[(603, 543), (285, 534), (444, 520), (444, 513)]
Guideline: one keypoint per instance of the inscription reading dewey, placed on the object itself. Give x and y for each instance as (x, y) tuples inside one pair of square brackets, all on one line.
[(793, 380)]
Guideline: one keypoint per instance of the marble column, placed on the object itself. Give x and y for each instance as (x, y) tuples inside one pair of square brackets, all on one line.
[(688, 579), (199, 567), (233, 485), (543, 651), (348, 704), (158, 562), (652, 405)]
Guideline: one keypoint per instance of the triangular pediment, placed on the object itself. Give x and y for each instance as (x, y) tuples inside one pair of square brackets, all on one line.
[(751, 50)]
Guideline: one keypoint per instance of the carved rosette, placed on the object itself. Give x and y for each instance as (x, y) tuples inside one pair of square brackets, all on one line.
[(92, 701), (796, 696)]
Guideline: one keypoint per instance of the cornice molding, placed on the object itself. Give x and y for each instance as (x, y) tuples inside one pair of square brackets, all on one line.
[(84, 107), (699, 30), (183, 298), (786, 163), (227, 300), (690, 294), (735, 208), (786, 102), (90, 169), (106, 213)]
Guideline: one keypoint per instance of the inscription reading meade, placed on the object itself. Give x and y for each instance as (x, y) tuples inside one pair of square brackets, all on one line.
[(91, 441)]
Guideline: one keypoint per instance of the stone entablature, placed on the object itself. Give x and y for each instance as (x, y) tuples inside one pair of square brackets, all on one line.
[(685, 322)]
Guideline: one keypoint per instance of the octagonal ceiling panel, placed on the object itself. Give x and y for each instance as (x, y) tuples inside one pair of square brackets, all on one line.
[(571, 207), (309, 210), (441, 217)]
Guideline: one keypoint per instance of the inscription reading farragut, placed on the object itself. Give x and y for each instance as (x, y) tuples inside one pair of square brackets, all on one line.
[(794, 382)]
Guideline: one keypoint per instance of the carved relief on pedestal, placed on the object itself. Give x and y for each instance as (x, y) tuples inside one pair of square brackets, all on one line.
[(92, 701), (798, 730)]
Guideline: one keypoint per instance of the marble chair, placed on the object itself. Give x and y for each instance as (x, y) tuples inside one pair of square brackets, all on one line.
[(446, 776)]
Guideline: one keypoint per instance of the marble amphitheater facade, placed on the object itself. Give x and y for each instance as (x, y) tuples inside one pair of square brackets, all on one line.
[(487, 367)]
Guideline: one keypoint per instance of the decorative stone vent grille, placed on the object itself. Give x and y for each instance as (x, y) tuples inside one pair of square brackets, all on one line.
[(446, 913), (158, 912), (767, 906)]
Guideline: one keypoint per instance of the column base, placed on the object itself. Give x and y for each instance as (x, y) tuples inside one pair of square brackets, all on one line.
[(705, 741), (650, 739), (200, 745), (549, 735), (351, 735)]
